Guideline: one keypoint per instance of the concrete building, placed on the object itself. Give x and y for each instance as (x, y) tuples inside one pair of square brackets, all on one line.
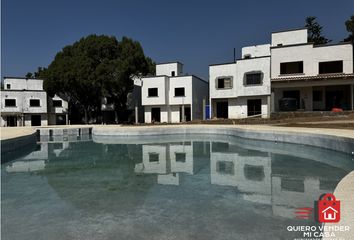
[(173, 97), (315, 77), (25, 103), (242, 88)]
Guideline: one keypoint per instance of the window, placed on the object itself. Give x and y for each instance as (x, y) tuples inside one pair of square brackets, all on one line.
[(330, 67), (247, 56), (224, 83), (153, 157), (10, 102), (8, 86), (179, 92), (152, 92), (291, 67), (317, 96), (225, 167), (57, 103), (173, 73), (253, 78), (34, 103), (254, 173), (180, 157)]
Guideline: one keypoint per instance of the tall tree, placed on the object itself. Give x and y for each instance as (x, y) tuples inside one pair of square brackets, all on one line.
[(315, 31), (93, 67), (349, 24)]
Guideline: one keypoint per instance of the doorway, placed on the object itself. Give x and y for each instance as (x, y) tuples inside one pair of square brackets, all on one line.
[(155, 115), (187, 114), (222, 109), (254, 107), (35, 120), (11, 121), (293, 94)]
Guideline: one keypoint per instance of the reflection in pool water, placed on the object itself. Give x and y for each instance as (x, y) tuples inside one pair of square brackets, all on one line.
[(177, 187)]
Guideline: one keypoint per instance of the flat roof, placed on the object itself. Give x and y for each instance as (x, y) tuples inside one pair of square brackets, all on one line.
[(22, 78), (290, 30), (163, 63)]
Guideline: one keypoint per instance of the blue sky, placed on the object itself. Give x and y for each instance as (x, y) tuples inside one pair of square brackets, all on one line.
[(197, 33)]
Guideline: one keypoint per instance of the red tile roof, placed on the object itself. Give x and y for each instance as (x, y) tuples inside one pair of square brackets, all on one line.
[(317, 77)]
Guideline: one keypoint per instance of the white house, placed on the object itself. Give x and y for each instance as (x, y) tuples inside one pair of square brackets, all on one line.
[(25, 103), (242, 88), (171, 96), (310, 77)]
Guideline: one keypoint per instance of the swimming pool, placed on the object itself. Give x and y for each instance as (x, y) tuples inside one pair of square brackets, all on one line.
[(165, 187)]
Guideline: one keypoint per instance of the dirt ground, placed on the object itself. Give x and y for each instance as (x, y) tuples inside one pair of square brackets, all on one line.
[(342, 120)]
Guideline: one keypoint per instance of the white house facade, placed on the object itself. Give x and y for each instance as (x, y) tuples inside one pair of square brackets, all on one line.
[(172, 97), (242, 88), (25, 103), (310, 77)]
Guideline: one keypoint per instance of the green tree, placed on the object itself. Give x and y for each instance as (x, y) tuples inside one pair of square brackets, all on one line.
[(93, 67), (349, 24), (315, 31)]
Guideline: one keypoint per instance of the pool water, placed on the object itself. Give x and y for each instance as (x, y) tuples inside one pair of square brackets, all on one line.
[(172, 187)]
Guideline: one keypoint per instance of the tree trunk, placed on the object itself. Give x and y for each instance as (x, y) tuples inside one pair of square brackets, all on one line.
[(86, 120)]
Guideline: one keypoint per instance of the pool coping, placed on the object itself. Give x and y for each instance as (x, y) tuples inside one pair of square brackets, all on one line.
[(333, 139)]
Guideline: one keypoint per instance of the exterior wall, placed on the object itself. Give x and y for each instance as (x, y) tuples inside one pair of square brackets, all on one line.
[(311, 56), (44, 119), (224, 70), (200, 92), (238, 107), (289, 37), (23, 84), (164, 113), (23, 101), (161, 83), (252, 65), (179, 82), (167, 68), (54, 111), (305, 96), (256, 51)]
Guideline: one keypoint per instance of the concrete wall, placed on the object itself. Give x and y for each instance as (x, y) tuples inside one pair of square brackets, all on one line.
[(238, 107), (218, 71), (161, 83), (311, 56), (23, 84), (23, 101), (248, 66), (200, 92), (167, 68), (256, 51), (180, 82), (164, 114), (289, 37)]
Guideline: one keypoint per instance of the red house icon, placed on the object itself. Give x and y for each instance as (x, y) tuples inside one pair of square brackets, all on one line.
[(329, 214)]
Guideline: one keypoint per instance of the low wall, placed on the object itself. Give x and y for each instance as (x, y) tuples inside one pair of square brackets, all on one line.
[(10, 147), (332, 142)]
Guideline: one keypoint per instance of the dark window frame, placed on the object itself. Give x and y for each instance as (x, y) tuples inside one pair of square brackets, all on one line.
[(245, 82), (150, 93), (11, 105), (31, 101), (219, 79), (286, 68), (324, 67), (8, 86), (180, 95), (55, 105)]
